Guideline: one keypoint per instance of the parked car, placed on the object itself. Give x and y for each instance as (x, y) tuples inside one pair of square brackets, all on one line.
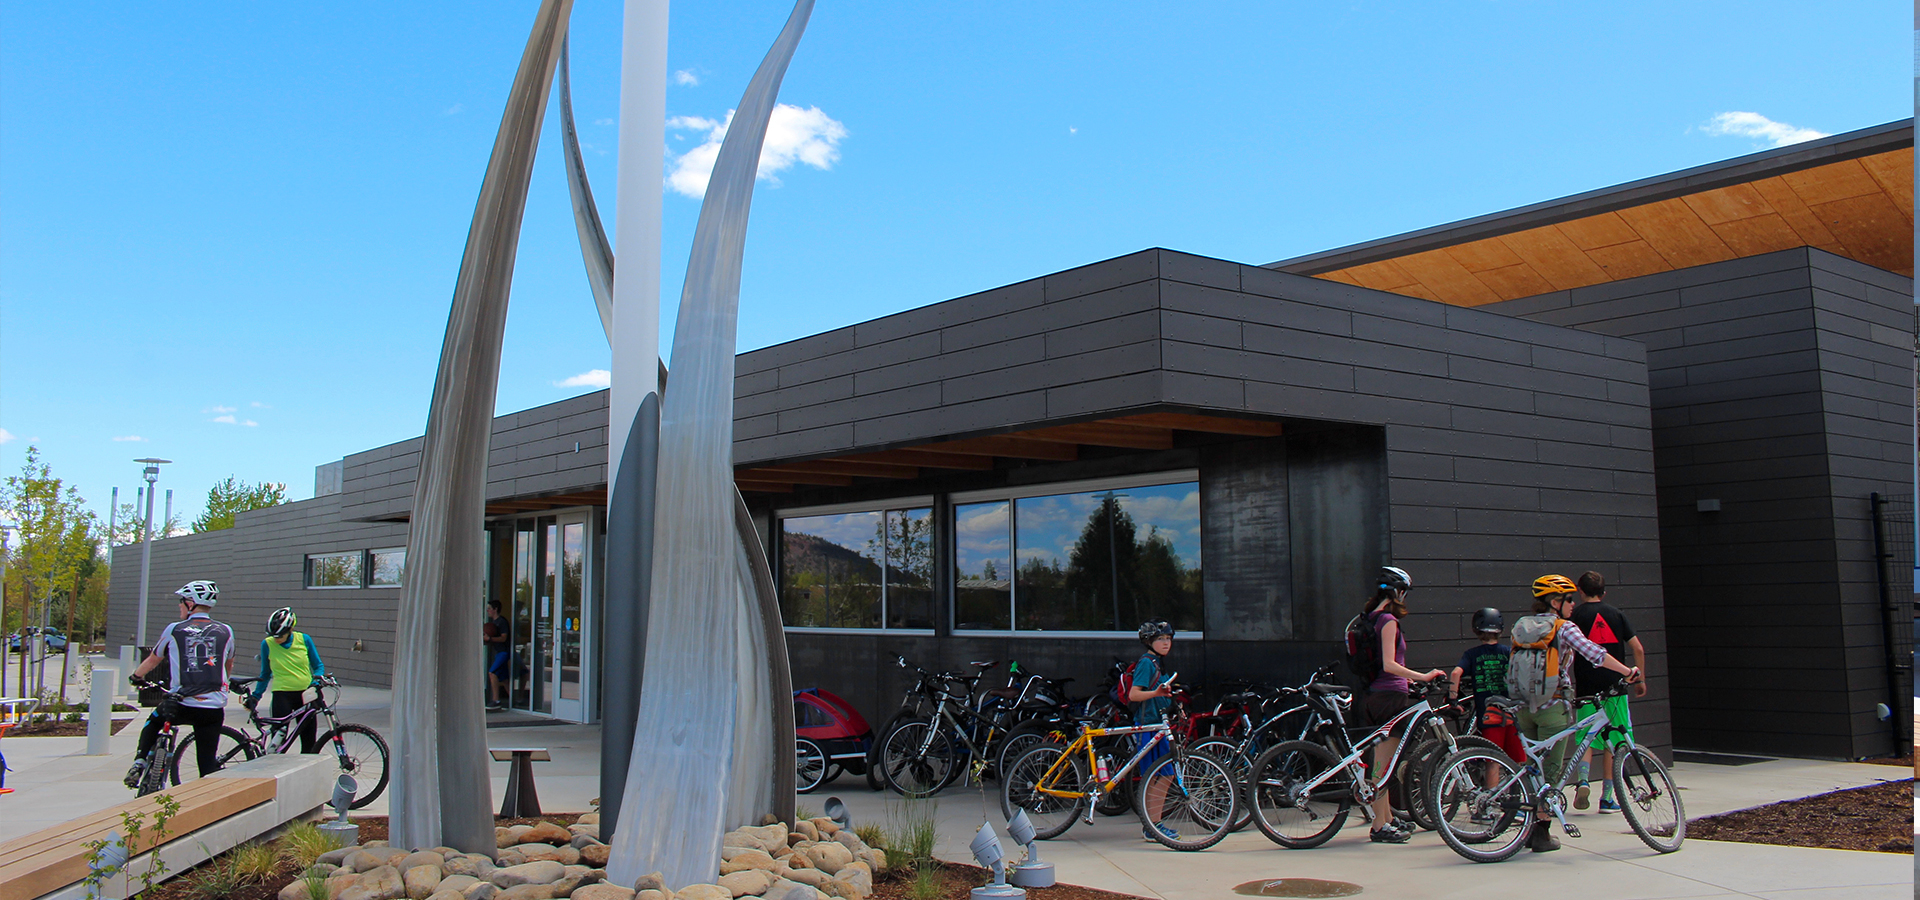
[(56, 639)]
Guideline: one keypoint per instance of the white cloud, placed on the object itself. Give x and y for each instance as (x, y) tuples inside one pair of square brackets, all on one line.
[(5, 435), (219, 409), (685, 78), (251, 423), (225, 420), (1755, 125), (258, 405), (453, 110), (596, 378), (131, 437), (793, 135), (603, 121), (1072, 130)]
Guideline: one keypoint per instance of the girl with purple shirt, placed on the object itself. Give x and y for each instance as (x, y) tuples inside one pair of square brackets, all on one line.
[(1387, 696)]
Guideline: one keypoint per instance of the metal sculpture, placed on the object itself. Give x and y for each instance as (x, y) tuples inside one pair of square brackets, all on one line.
[(695, 714), (440, 789)]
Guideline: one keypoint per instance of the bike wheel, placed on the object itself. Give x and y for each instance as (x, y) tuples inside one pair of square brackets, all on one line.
[(231, 746), (1648, 798), (1238, 764), (1052, 802), (155, 778), (1421, 766), (1197, 801), (910, 772), (1483, 811), (812, 766), (1026, 736), (1283, 809), (362, 754)]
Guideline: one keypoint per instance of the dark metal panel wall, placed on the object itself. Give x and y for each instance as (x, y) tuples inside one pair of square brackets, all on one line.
[(1246, 546)]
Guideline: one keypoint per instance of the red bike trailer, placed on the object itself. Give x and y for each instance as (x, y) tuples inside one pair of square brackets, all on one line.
[(829, 736)]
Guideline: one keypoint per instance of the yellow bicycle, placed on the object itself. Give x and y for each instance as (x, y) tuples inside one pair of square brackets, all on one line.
[(1186, 799)]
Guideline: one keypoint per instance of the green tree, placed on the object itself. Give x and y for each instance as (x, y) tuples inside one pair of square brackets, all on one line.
[(233, 496), (129, 523), (55, 543)]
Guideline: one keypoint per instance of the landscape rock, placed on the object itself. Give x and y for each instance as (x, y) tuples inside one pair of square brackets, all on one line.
[(510, 857), (788, 890), (829, 857), (652, 881), (422, 858), (529, 892), (592, 818), (840, 889), (545, 833), (447, 895), (421, 881), (703, 892), (372, 844), (364, 860), (772, 837), (857, 875), (502, 836), (482, 890), (515, 831), (379, 883), (596, 855), (828, 827), (806, 830), (541, 872), (850, 841), (592, 831), (741, 839), (653, 895), (602, 891), (472, 864), (747, 859), (747, 881), (337, 857), (574, 880), (565, 856), (809, 877), (295, 890), (395, 855), (876, 860), (583, 841), (456, 883)]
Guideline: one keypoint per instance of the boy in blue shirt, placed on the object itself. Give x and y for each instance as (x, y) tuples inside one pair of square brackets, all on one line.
[(1153, 693)]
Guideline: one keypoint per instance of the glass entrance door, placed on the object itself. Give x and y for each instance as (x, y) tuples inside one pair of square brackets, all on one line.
[(550, 606), (570, 609)]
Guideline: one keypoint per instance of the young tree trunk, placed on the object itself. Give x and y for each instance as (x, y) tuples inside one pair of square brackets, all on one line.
[(66, 655)]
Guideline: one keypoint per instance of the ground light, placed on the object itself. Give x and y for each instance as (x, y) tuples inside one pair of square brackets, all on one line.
[(987, 852), (340, 831), (1032, 873)]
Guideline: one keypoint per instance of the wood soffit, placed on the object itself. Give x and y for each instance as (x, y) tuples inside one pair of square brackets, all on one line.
[(1859, 208), (1054, 443)]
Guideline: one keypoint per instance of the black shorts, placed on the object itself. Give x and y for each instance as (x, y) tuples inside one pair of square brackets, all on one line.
[(1379, 707)]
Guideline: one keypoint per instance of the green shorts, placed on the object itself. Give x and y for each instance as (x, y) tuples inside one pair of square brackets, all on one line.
[(1620, 727)]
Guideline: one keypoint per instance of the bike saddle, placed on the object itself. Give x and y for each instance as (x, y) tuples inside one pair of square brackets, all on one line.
[(984, 665), (1320, 687), (1004, 693)]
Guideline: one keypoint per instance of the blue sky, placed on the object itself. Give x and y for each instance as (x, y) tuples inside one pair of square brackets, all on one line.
[(232, 232)]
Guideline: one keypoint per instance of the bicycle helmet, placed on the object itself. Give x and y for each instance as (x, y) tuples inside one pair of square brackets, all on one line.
[(281, 622), (199, 593), (1548, 585), (1488, 621), (1395, 579), (1154, 629)]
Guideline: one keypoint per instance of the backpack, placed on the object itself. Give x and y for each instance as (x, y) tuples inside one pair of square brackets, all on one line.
[(1363, 648), (1122, 692), (1533, 671)]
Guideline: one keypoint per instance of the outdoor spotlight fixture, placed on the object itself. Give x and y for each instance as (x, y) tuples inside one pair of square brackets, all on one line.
[(837, 811), (341, 832), (1031, 873), (988, 853), (112, 856)]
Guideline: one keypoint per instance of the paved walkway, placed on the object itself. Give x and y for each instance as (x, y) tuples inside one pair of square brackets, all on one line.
[(56, 782)]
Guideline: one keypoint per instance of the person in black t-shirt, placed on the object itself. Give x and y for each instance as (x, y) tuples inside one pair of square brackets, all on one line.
[(495, 634), (1483, 671), (1608, 627)]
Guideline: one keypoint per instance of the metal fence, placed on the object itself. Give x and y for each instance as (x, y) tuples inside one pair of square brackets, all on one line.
[(1893, 544)]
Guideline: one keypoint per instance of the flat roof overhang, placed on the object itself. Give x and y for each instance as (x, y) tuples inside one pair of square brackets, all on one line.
[(1849, 194), (1053, 443)]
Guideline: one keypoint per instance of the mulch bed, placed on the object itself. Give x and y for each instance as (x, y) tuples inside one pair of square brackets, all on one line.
[(958, 881), (60, 729), (1877, 817)]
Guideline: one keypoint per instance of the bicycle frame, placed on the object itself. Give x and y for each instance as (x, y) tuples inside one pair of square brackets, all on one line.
[(1162, 732), (1364, 790), (1535, 750)]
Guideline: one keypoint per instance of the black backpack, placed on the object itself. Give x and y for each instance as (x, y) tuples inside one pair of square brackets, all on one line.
[(1363, 648)]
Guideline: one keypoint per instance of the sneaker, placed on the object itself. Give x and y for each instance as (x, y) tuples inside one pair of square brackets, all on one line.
[(1166, 832), (135, 775), (1392, 833), (1608, 805), (1581, 795), (1542, 839), (1407, 825)]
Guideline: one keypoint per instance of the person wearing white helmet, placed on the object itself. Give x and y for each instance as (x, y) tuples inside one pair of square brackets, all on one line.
[(198, 653)]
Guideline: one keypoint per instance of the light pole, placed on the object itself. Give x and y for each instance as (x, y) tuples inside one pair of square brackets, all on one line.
[(150, 474), (1113, 553)]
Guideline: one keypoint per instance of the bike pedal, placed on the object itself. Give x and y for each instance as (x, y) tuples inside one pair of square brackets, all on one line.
[(1571, 829)]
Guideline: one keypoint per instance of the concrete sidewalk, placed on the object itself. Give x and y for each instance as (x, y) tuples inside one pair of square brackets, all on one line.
[(57, 782)]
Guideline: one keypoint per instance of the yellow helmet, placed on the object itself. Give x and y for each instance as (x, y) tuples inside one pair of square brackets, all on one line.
[(1548, 585)]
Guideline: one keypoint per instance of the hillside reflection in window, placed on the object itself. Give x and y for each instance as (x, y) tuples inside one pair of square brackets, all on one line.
[(858, 570), (1092, 561)]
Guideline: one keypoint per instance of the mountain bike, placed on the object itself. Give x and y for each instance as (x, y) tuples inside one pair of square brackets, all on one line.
[(1487, 804), (1186, 800), (923, 755), (360, 750), (1268, 716), (162, 761)]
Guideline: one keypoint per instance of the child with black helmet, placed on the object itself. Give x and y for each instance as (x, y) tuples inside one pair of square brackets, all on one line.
[(1483, 671), (1152, 693)]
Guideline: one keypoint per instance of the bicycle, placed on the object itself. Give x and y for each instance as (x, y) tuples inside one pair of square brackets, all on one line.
[(924, 756), (1288, 713), (360, 750), (1487, 804), (1197, 792), (1301, 791), (161, 764)]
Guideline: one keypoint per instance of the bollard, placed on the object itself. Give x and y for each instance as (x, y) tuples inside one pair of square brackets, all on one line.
[(100, 709)]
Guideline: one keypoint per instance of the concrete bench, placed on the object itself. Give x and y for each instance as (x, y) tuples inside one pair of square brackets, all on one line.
[(217, 813)]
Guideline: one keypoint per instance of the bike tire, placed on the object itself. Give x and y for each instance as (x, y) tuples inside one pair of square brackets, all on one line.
[(1239, 764), (1648, 798), (1421, 766), (1459, 793), (155, 778), (1287, 816), (1050, 816), (810, 766), (1199, 801), (364, 750), (908, 772), (233, 746), (1026, 736)]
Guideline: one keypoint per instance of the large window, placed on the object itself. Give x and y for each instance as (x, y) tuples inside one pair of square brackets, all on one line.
[(1084, 557), (335, 570), (862, 569), (386, 568)]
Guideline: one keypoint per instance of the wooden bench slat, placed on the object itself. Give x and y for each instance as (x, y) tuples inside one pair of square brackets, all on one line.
[(58, 865), (25, 845)]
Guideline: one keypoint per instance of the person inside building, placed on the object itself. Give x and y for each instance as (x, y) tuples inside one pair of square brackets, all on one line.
[(289, 664), (499, 660), (1605, 625), (1387, 695), (198, 653)]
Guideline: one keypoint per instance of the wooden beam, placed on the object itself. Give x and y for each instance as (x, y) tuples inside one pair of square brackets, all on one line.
[(762, 487), (926, 459), (859, 468), (1106, 434), (1204, 424), (1010, 446), (784, 477)]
